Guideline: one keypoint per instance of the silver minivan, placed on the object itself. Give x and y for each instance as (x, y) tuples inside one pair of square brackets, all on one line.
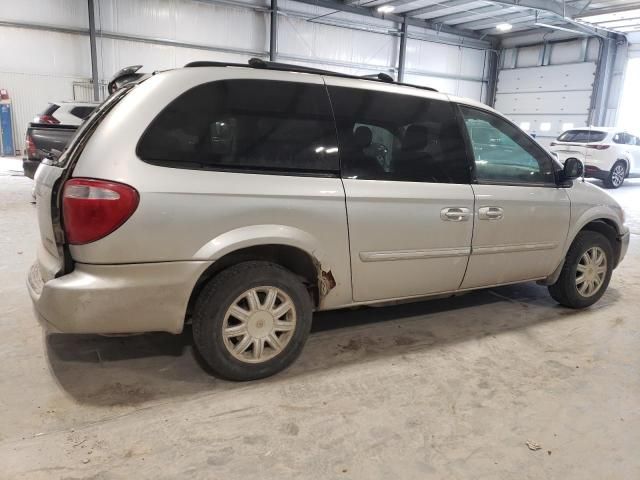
[(242, 198)]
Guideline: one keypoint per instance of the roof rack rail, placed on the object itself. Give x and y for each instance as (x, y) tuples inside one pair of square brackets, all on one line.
[(288, 67)]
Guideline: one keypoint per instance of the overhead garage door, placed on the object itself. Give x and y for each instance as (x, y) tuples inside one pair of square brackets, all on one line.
[(547, 89)]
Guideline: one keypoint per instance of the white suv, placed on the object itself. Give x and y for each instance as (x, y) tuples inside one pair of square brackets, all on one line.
[(65, 113), (241, 199), (606, 153)]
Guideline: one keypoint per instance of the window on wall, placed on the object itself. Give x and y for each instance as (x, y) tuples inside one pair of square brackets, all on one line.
[(503, 153), (262, 125), (385, 136), (628, 117)]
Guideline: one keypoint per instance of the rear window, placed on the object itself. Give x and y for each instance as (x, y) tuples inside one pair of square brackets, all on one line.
[(82, 112), (50, 110), (582, 136), (283, 127)]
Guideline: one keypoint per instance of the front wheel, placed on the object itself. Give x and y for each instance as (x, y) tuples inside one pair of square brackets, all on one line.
[(586, 272), (252, 320), (616, 176)]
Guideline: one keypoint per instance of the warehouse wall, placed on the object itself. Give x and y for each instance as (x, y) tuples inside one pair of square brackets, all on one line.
[(42, 65), (39, 66), (547, 88)]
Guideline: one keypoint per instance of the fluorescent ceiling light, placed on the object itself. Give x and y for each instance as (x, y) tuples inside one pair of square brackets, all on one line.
[(545, 126), (386, 8), (525, 126), (504, 27)]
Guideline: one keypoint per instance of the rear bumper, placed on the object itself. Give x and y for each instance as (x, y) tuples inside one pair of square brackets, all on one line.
[(115, 298), (29, 167)]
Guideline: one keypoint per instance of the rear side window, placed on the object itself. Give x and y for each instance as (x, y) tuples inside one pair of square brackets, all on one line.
[(385, 136), (82, 112), (284, 127), (582, 136)]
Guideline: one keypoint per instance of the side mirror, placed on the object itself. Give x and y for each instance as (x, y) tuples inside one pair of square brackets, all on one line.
[(572, 169)]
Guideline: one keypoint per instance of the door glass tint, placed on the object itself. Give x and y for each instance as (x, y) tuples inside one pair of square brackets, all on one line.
[(385, 136), (504, 153), (582, 136), (620, 138), (82, 112), (283, 127)]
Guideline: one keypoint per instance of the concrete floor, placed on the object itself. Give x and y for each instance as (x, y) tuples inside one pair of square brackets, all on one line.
[(442, 389)]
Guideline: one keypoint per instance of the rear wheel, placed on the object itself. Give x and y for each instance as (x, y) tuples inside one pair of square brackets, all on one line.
[(252, 320), (616, 176), (586, 272)]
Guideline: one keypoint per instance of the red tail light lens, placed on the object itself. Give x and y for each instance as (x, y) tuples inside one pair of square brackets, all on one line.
[(30, 147), (598, 147), (92, 209), (47, 119)]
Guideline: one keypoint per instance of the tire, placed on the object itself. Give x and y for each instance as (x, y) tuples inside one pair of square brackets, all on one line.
[(566, 290), (616, 175), (234, 286)]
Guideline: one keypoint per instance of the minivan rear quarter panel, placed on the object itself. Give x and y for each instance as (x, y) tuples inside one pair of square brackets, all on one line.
[(187, 214)]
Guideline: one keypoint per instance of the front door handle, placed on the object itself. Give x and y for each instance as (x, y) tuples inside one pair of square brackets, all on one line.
[(490, 213), (455, 214)]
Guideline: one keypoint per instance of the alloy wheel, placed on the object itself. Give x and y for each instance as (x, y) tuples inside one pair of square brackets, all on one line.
[(259, 324), (617, 175), (591, 271)]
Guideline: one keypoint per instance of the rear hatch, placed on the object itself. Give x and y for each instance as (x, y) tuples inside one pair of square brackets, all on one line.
[(53, 257), (577, 143)]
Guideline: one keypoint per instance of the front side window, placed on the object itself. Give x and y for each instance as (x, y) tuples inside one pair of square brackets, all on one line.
[(620, 138), (284, 127), (503, 153), (386, 136)]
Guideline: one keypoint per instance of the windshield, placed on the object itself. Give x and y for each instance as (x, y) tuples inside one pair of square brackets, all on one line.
[(582, 136)]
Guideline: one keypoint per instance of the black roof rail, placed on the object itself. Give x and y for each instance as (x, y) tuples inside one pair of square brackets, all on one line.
[(288, 67)]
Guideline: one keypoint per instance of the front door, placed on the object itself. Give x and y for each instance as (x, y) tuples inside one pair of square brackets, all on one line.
[(406, 180), (521, 216)]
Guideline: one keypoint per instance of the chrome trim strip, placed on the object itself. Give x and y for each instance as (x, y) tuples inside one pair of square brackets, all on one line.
[(524, 247), (413, 254)]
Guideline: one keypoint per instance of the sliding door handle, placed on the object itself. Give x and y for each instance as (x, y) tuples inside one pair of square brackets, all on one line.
[(455, 214), (490, 213)]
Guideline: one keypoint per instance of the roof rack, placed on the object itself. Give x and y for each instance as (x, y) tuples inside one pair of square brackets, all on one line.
[(287, 67)]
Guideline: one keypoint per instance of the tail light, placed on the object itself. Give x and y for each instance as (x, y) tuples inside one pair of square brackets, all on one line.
[(598, 147), (92, 209), (30, 147), (47, 119)]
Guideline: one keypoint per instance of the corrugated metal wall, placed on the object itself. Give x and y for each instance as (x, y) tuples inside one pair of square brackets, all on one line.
[(42, 66), (39, 66)]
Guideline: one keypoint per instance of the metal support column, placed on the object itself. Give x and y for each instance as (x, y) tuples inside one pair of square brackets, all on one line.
[(273, 31), (604, 74), (94, 55), (492, 77), (402, 54)]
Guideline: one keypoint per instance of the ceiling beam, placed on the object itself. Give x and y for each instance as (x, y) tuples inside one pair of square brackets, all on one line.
[(367, 12), (564, 11), (477, 14), (605, 11), (436, 8), (551, 6), (488, 22)]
